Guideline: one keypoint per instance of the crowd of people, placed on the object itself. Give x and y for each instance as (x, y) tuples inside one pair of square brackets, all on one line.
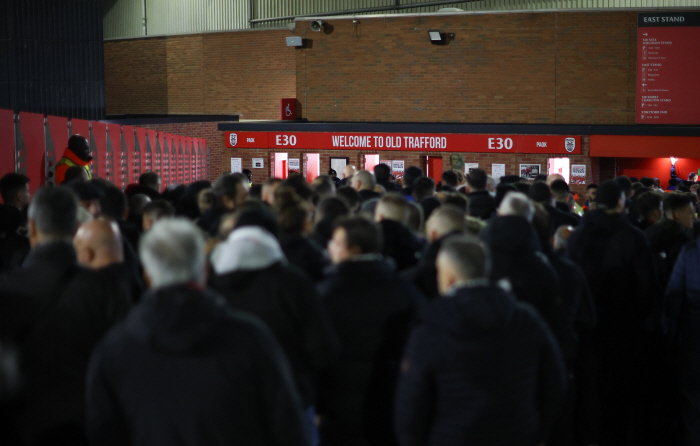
[(360, 310)]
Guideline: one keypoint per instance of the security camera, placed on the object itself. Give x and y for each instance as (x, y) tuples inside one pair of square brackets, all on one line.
[(317, 25)]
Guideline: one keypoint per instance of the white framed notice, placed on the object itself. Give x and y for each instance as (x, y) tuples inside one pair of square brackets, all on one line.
[(578, 174), (529, 171), (236, 165), (468, 166), (338, 164), (498, 171), (397, 168), (258, 163), (294, 165)]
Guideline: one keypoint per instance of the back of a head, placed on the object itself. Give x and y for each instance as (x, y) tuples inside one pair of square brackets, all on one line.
[(647, 181), (85, 190), (332, 208), (300, 185), (366, 178), (625, 184), (468, 257), (137, 203), (648, 202), (350, 195), (253, 213), (423, 187), (227, 185), (692, 176), (382, 173), (676, 201), (393, 207), (449, 178), (608, 195), (158, 209), (560, 190), (415, 217), (149, 179), (410, 175), (516, 204), (292, 212), (362, 233), (172, 253), (444, 220), (54, 211), (457, 200), (540, 193), (323, 186), (540, 177), (477, 179), (113, 203), (10, 184)]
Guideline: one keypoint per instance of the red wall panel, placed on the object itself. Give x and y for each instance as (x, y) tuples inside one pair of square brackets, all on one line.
[(114, 131), (195, 159), (158, 158), (99, 135), (151, 138), (58, 139), (139, 153), (188, 160), (169, 159), (177, 159), (128, 140), (7, 142), (32, 128)]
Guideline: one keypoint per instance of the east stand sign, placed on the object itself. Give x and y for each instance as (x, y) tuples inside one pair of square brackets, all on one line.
[(554, 144)]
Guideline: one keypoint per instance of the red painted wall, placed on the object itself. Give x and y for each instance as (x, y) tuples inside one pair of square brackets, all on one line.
[(656, 168)]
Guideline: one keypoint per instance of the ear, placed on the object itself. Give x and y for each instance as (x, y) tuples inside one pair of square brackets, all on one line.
[(33, 233), (433, 235), (147, 279)]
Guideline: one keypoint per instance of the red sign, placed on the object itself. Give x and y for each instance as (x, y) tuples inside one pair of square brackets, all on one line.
[(288, 109), (668, 45), (447, 142), (633, 146)]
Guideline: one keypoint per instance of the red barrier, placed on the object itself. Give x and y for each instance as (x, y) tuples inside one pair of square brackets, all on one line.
[(158, 158), (139, 153), (176, 159), (168, 159), (114, 133), (56, 144), (79, 127), (205, 159), (189, 157), (99, 136), (7, 142), (196, 157), (32, 129), (151, 137), (128, 139)]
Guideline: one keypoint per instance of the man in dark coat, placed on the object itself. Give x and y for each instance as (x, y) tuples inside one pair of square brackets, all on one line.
[(482, 368), (617, 260), (371, 308), (56, 312), (184, 367), (253, 275), (14, 244), (540, 193), (392, 213), (445, 221), (382, 174), (481, 203)]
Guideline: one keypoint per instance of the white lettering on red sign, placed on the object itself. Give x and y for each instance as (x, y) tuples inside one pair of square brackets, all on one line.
[(286, 140), (425, 142), (500, 143), (250, 139), (352, 141)]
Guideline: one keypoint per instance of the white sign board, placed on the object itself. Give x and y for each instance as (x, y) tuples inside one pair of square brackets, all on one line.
[(397, 168), (529, 171), (498, 170), (258, 163), (338, 164), (468, 166), (578, 174), (236, 165), (294, 165)]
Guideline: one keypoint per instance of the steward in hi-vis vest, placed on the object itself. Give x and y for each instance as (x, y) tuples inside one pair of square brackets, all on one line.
[(77, 154)]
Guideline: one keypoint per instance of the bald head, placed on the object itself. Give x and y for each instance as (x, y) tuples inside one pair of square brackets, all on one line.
[(444, 220), (561, 236), (554, 177), (363, 180), (98, 243), (517, 204), (348, 171)]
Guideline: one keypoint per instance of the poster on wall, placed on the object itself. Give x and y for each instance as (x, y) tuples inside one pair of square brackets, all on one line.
[(294, 165), (258, 163), (498, 170), (469, 166), (338, 164), (387, 162), (397, 168), (529, 171), (578, 174), (236, 165)]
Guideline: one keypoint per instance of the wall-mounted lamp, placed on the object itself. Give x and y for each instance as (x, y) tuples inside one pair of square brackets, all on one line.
[(674, 160), (438, 38), (317, 25)]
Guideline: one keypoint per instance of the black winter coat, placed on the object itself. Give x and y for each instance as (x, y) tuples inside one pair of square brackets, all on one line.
[(286, 300), (371, 309), (481, 369), (305, 254), (184, 368), (481, 204), (400, 244), (56, 312)]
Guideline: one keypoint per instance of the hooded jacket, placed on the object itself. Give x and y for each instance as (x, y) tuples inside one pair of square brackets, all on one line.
[(184, 368), (481, 369)]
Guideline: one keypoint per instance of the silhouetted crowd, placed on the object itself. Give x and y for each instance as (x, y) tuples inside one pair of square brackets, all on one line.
[(360, 310)]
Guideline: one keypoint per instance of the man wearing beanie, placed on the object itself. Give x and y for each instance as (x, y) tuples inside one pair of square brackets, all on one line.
[(77, 154), (617, 260)]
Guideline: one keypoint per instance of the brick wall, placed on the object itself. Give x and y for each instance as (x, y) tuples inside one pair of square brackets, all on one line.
[(510, 68), (244, 73)]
